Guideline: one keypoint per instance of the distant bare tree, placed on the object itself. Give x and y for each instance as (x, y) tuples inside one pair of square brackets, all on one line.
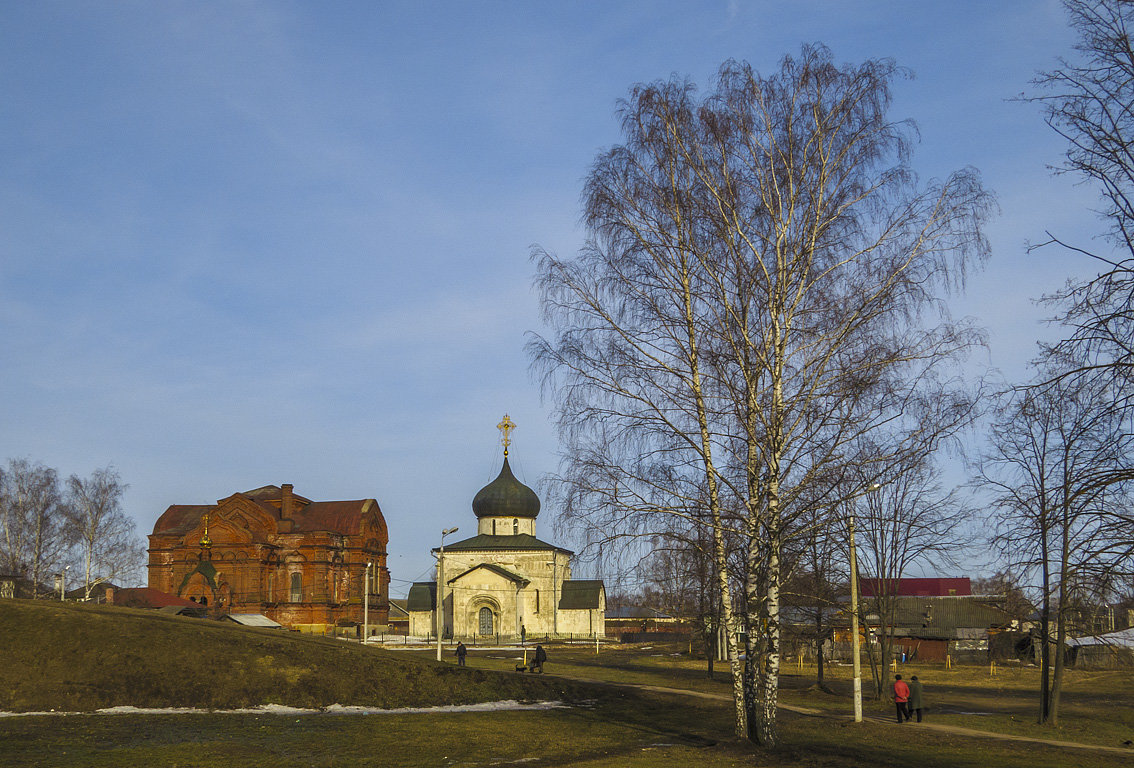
[(32, 520), (679, 575), (817, 579), (1006, 584), (107, 536), (907, 522), (1054, 455)]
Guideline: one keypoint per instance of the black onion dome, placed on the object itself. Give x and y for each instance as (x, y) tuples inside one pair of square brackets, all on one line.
[(505, 497)]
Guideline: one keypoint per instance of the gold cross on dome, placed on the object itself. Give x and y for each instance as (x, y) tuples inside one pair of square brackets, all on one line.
[(506, 428)]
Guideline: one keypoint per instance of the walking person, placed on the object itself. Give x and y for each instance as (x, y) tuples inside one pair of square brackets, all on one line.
[(901, 698), (540, 658), (915, 697), (523, 635), (462, 652)]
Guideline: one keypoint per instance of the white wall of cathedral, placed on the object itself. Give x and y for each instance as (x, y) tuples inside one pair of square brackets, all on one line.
[(421, 623), (506, 526), (531, 606)]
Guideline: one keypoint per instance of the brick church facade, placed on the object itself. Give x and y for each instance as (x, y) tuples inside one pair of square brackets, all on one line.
[(300, 562)]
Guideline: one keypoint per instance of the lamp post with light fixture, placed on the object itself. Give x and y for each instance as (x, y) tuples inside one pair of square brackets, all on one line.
[(855, 650), (855, 642), (366, 604), (441, 587)]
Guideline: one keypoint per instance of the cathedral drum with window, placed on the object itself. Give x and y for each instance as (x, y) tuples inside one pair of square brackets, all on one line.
[(505, 579)]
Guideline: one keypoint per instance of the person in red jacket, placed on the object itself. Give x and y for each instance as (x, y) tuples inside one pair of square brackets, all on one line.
[(901, 698)]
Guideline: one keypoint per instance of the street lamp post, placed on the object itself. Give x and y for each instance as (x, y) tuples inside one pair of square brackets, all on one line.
[(366, 604), (441, 587), (854, 626), (855, 642)]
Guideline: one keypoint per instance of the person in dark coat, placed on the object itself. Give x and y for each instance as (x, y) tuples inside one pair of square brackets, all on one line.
[(540, 658), (915, 697), (901, 698), (462, 652)]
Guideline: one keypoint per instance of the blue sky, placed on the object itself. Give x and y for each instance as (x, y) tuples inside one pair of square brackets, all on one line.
[(250, 243)]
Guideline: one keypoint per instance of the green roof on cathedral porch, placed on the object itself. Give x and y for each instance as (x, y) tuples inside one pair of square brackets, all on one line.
[(513, 542)]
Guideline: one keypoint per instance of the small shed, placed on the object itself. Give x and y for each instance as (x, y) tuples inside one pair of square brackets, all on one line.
[(1112, 650)]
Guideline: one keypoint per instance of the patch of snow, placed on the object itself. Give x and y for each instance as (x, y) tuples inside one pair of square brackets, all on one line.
[(128, 710), (333, 709)]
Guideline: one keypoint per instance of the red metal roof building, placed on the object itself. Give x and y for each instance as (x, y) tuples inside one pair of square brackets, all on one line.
[(273, 552), (146, 597), (929, 587)]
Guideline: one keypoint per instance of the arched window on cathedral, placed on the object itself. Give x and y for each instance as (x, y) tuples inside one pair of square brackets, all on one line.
[(515, 527), (297, 587), (493, 527)]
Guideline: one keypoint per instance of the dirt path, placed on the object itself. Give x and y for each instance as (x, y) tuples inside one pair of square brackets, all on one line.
[(952, 729)]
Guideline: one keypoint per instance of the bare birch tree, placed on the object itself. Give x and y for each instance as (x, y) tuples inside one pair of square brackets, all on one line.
[(110, 547), (32, 520), (760, 292)]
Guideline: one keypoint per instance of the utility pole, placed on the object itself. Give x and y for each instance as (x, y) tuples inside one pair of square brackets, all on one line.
[(854, 626), (855, 642)]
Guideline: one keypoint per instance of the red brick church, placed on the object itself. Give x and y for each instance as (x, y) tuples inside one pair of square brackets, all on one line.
[(274, 552)]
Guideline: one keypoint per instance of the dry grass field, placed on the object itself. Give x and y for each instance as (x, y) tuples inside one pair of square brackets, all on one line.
[(76, 658)]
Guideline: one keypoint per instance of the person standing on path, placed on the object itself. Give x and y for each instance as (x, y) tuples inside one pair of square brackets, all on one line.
[(462, 651), (540, 658), (901, 698), (915, 698)]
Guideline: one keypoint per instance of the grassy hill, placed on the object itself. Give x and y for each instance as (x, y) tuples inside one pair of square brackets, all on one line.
[(73, 657)]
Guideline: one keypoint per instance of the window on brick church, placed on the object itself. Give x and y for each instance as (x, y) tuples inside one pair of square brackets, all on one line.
[(537, 601), (515, 527), (297, 588)]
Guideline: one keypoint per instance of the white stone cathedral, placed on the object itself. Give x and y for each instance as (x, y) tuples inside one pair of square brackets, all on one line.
[(504, 581)]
